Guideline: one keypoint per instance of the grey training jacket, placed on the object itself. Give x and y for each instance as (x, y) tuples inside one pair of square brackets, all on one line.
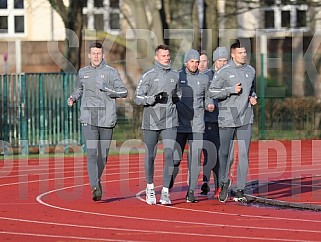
[(235, 110), (192, 104), (211, 117), (98, 87), (158, 116)]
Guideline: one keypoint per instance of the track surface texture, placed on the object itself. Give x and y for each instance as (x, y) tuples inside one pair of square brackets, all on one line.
[(49, 199)]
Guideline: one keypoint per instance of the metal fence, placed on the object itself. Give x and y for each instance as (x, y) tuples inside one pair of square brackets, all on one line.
[(34, 110), (34, 113)]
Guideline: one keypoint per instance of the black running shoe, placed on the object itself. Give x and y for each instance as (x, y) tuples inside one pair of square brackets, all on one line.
[(222, 197), (239, 196), (205, 188), (190, 198), (96, 193)]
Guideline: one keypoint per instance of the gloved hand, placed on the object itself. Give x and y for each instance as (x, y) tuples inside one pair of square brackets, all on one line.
[(175, 98), (160, 97)]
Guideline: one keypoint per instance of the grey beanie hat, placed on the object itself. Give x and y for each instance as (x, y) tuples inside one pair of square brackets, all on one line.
[(191, 54), (220, 52)]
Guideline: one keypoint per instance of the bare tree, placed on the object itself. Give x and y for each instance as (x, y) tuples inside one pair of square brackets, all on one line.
[(72, 18), (183, 27), (210, 34)]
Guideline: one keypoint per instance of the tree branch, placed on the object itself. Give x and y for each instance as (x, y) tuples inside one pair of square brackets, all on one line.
[(61, 9)]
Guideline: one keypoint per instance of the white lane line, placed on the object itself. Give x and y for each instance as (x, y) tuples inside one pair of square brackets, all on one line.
[(39, 199), (140, 231), (138, 196), (60, 236)]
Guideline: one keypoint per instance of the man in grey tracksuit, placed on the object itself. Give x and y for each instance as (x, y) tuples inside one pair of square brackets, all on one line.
[(98, 85), (191, 118), (211, 163), (159, 91), (234, 86)]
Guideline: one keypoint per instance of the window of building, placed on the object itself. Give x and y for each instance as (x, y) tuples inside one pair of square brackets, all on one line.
[(98, 3), (12, 17), (19, 25), (285, 19), (285, 14), (102, 15), (18, 4), (3, 4), (114, 4), (301, 18), (3, 24), (114, 21), (269, 19), (99, 22)]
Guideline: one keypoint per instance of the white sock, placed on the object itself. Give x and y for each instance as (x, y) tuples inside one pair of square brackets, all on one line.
[(150, 186), (165, 189)]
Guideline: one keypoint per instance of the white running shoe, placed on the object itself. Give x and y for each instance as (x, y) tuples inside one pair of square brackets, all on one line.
[(150, 196), (164, 199)]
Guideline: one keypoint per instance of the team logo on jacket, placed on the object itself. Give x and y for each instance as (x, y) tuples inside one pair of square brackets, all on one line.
[(102, 76), (172, 80)]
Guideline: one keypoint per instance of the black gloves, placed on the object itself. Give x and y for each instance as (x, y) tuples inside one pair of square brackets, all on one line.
[(175, 98), (161, 97)]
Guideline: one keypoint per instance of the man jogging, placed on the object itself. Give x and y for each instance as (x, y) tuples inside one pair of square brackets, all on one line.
[(158, 91), (98, 85), (234, 86)]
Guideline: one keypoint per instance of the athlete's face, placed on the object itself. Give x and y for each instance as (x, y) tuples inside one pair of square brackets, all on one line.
[(203, 63), (239, 56), (192, 65), (163, 57), (96, 56), (219, 63)]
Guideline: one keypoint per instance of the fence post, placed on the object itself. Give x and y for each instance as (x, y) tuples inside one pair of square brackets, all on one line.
[(23, 116), (262, 100), (5, 109), (41, 116), (66, 112)]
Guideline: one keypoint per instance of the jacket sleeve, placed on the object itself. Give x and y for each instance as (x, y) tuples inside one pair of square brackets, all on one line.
[(177, 93), (217, 89), (141, 97), (115, 88), (253, 87), (77, 93), (208, 100)]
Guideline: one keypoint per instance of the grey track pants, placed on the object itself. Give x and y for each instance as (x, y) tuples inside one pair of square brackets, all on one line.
[(98, 141), (195, 143), (243, 137), (151, 139)]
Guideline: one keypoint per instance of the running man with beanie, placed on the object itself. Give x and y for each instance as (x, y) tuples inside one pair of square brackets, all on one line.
[(220, 57), (234, 86), (191, 118)]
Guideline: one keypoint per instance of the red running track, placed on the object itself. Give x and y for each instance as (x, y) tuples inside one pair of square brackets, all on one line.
[(50, 200)]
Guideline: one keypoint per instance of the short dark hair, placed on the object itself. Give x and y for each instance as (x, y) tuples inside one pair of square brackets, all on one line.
[(236, 44), (95, 45), (202, 52), (161, 47)]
